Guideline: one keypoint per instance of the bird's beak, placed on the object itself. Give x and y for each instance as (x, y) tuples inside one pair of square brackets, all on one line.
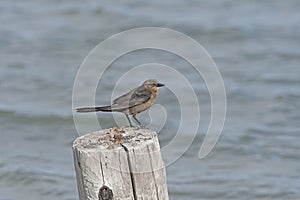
[(160, 85)]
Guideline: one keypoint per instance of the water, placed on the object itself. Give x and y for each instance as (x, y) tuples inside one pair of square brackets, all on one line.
[(254, 43)]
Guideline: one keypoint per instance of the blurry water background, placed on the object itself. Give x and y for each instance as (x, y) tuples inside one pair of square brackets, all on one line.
[(254, 43)]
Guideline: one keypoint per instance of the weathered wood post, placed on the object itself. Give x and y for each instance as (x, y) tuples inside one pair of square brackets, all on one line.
[(120, 163)]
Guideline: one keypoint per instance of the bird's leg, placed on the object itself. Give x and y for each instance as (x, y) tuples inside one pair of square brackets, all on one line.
[(134, 117), (128, 120)]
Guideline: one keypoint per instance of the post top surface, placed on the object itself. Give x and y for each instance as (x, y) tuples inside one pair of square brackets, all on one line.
[(112, 137)]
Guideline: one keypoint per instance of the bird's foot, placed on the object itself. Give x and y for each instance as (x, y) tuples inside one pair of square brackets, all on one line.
[(141, 126)]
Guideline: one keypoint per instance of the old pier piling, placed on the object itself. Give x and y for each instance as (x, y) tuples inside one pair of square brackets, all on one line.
[(120, 163)]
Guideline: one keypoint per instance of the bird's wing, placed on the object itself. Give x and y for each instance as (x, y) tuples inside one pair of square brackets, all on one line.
[(139, 96), (135, 97)]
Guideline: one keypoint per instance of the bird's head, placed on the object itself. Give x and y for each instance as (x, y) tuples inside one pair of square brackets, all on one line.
[(152, 85)]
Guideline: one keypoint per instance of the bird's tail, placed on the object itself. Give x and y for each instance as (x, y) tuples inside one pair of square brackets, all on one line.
[(94, 109)]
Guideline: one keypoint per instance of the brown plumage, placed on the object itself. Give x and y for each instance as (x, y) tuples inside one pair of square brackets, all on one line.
[(131, 103)]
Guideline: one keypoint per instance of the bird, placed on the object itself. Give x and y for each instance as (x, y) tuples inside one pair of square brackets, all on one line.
[(135, 101)]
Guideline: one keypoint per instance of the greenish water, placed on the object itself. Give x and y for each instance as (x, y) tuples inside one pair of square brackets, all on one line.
[(254, 43)]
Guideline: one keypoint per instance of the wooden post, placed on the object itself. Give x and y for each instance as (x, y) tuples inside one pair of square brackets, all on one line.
[(120, 164)]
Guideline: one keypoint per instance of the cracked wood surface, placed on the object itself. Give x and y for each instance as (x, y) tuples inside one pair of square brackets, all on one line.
[(127, 160)]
